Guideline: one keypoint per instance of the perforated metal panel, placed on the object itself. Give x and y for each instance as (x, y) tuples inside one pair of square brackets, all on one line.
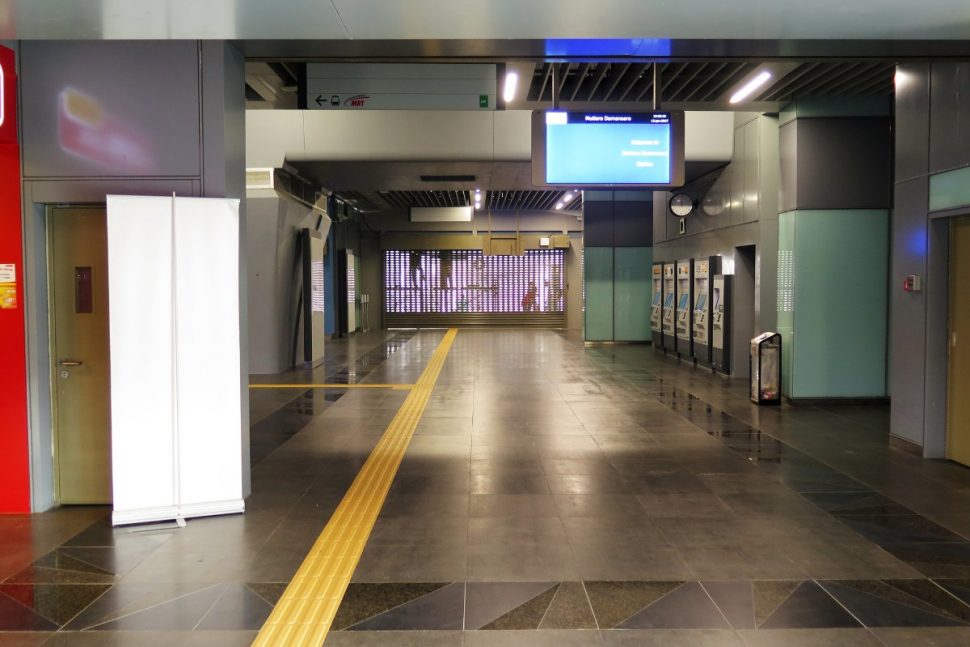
[(466, 287)]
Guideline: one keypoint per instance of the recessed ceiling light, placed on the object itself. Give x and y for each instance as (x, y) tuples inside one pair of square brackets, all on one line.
[(559, 205), (748, 88), (511, 83)]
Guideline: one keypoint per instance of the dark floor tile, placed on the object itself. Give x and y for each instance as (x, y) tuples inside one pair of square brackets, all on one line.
[(687, 607), (181, 614), (16, 617), (103, 534), (735, 600), (873, 610), (238, 608), (768, 595), (363, 601), (56, 602), (614, 602), (856, 503), (936, 560), (919, 593), (126, 598), (117, 560), (525, 616), (809, 607), (959, 589), (60, 568), (439, 610), (898, 528), (269, 591), (485, 602), (569, 609)]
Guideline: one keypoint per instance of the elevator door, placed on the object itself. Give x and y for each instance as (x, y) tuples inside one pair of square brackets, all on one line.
[(958, 407), (78, 255)]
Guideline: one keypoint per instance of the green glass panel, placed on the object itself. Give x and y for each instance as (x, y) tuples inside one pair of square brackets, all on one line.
[(786, 295), (598, 264), (631, 293), (841, 267), (950, 189)]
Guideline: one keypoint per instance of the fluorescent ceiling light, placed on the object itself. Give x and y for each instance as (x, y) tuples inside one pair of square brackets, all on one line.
[(511, 83), (750, 87), (559, 205), (568, 198)]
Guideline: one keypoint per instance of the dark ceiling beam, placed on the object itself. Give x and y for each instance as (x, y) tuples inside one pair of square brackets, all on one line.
[(794, 90), (602, 69), (786, 81), (740, 71), (718, 68), (615, 78)]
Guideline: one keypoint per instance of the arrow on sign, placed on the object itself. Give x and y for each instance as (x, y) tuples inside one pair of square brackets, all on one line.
[(319, 100)]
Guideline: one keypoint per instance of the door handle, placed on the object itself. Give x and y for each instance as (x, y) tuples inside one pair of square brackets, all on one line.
[(70, 362)]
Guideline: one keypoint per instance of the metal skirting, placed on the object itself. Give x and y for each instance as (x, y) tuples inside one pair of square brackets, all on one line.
[(465, 319)]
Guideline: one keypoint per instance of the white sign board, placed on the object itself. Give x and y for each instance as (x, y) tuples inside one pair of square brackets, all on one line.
[(176, 382)]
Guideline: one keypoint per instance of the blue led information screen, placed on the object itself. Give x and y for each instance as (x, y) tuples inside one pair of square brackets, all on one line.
[(608, 149)]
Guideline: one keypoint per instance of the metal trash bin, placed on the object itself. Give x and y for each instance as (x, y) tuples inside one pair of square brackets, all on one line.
[(765, 361)]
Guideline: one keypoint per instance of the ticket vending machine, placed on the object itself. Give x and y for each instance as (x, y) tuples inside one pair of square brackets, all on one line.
[(685, 286), (669, 294), (721, 323), (703, 271), (656, 306)]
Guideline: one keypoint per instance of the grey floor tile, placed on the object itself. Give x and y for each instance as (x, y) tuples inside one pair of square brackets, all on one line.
[(671, 638), (541, 638), (394, 639), (811, 638), (511, 563), (923, 636)]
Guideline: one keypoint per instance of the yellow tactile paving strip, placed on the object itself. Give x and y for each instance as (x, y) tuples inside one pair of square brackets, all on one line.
[(304, 613), (400, 387)]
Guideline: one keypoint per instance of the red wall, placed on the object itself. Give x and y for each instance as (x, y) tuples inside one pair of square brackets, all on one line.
[(14, 460)]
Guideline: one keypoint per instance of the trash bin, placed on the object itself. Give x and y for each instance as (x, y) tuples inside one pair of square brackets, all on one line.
[(766, 368)]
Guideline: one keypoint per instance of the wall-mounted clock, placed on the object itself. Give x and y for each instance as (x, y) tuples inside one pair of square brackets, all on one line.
[(681, 205)]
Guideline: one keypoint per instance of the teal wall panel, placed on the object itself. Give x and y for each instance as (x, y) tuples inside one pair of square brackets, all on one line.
[(950, 189), (839, 328), (786, 295), (598, 264), (632, 287)]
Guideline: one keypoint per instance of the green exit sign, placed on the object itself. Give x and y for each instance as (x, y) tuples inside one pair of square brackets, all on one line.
[(483, 101)]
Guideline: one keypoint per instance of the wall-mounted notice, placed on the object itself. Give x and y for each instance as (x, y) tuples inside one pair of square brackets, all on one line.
[(401, 86), (8, 286)]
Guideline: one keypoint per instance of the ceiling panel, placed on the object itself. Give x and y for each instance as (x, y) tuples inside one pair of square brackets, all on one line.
[(700, 82), (562, 27), (641, 21)]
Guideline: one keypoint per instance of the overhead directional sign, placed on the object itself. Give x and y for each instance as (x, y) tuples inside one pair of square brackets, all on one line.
[(392, 86)]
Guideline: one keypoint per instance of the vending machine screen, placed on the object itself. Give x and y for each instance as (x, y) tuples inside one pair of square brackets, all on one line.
[(669, 301), (683, 302), (701, 300)]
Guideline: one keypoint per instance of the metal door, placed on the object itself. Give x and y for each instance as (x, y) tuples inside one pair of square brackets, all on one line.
[(78, 266), (958, 405)]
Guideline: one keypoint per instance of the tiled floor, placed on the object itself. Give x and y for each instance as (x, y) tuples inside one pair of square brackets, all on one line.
[(552, 494)]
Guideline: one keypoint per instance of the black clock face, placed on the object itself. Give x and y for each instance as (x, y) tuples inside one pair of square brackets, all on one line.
[(681, 204)]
